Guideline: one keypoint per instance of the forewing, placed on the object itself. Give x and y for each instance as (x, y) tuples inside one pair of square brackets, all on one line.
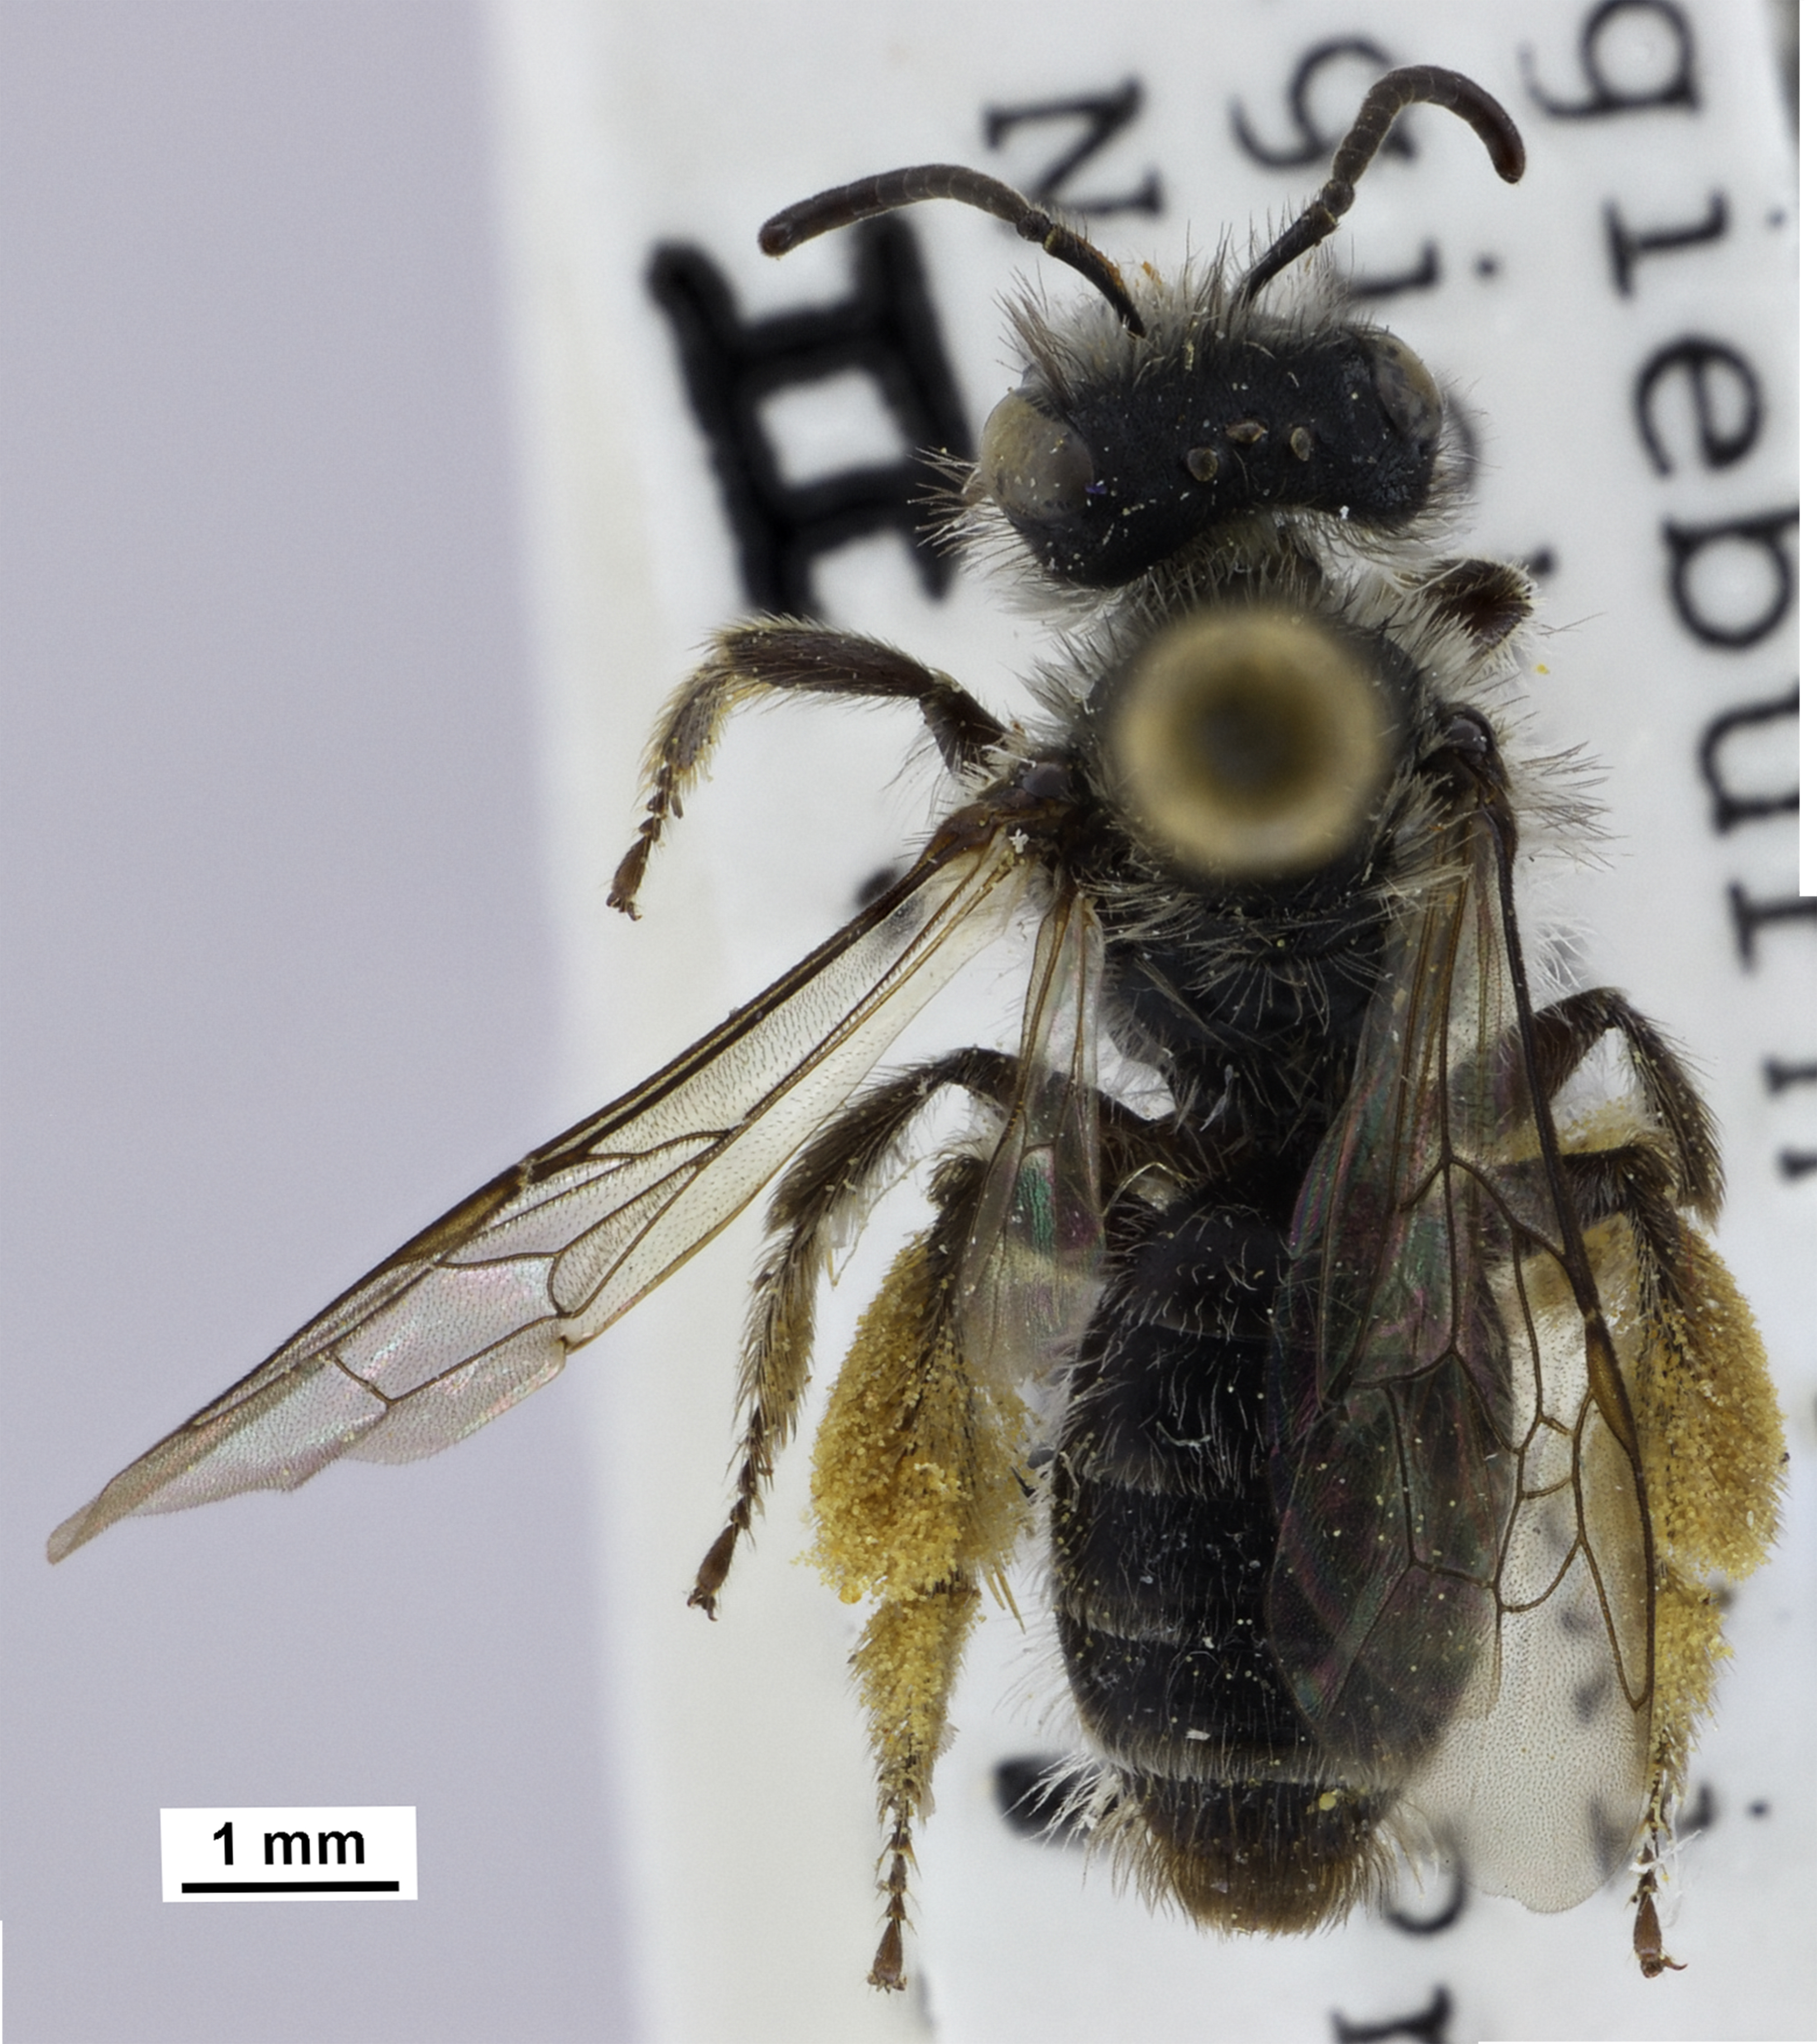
[(1461, 1598), (1031, 1272), (483, 1306)]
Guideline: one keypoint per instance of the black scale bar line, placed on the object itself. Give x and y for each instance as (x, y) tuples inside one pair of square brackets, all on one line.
[(290, 1887)]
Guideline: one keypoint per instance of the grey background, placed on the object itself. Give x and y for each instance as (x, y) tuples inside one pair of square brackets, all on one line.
[(278, 988)]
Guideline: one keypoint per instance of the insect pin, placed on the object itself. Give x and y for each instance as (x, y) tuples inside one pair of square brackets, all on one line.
[(1381, 1409)]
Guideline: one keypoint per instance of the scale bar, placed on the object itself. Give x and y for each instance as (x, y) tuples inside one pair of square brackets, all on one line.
[(290, 1888), (338, 1852)]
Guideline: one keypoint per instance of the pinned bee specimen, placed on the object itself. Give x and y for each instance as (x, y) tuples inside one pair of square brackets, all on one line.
[(1382, 1410)]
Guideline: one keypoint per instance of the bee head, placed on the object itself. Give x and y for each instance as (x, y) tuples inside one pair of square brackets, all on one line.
[(1107, 478), (1112, 475)]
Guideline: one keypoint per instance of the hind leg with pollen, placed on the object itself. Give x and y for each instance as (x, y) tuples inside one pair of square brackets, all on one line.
[(1708, 1427), (920, 1492)]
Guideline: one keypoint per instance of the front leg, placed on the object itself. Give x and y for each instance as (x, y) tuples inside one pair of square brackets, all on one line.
[(751, 661)]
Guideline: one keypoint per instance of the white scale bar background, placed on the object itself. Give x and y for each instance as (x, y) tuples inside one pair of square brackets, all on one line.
[(290, 1846)]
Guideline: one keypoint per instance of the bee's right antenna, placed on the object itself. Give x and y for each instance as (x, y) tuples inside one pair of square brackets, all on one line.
[(846, 204), (1389, 97)]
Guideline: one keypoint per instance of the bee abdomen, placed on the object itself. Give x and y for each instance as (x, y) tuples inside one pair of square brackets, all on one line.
[(1145, 1563), (1156, 1698), (1169, 1391), (1163, 1537), (1162, 1529), (1247, 1854)]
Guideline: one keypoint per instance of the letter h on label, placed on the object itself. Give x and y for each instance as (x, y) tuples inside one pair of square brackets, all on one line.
[(885, 328)]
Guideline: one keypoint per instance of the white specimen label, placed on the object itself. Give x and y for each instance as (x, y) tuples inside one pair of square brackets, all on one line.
[(297, 1855)]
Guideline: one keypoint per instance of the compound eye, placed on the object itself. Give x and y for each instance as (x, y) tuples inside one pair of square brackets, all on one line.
[(1032, 467), (1249, 744), (1408, 394)]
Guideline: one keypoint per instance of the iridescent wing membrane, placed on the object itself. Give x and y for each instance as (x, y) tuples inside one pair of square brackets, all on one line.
[(1461, 1597), (484, 1306), (1031, 1274)]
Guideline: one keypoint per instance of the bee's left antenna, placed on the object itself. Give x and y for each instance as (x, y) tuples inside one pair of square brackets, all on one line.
[(892, 190), (1414, 85)]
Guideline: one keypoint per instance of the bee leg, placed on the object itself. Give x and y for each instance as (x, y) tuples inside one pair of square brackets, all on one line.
[(1563, 1036), (748, 662), (920, 1492), (1697, 1326), (1711, 1450), (1649, 1941), (1632, 1182), (1487, 598), (821, 1196), (819, 1200)]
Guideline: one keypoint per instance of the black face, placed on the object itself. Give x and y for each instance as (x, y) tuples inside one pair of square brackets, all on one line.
[(1126, 470)]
